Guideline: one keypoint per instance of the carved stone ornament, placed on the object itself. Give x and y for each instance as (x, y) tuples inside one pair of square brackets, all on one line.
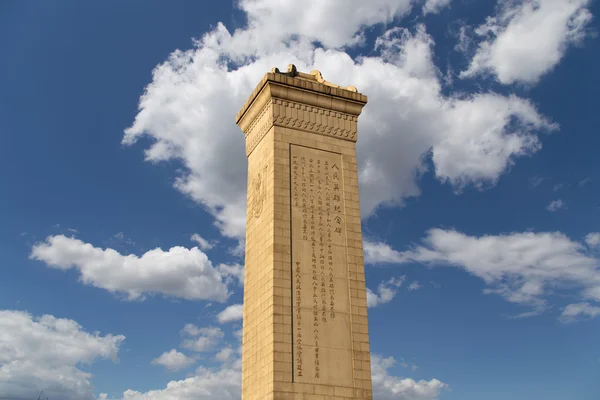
[(259, 127), (292, 71), (259, 191), (290, 114)]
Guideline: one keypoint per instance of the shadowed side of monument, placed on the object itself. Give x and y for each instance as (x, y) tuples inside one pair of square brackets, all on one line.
[(305, 332)]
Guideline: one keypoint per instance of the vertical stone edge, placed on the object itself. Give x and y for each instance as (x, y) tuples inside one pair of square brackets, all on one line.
[(259, 316), (356, 276)]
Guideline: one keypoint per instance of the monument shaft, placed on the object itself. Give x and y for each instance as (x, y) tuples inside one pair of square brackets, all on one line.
[(305, 331)]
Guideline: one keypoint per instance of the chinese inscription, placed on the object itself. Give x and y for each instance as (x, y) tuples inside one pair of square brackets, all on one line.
[(319, 265)]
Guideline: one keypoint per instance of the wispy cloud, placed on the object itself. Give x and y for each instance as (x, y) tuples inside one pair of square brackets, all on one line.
[(585, 181), (385, 292), (521, 267), (535, 181), (556, 205)]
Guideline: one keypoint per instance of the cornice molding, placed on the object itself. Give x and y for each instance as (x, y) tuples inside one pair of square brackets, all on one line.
[(300, 101)]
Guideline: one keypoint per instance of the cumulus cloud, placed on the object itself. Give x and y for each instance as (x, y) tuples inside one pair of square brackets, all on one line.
[(201, 339), (521, 267), (275, 20), (415, 285), (225, 354), (386, 291), (389, 387), (232, 272), (381, 253), (207, 384), (556, 205), (46, 353), (526, 39), (434, 6), (173, 360), (593, 239), (178, 272), (576, 311), (232, 313), (189, 107), (224, 383)]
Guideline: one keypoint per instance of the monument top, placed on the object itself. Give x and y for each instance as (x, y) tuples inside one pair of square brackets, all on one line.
[(310, 88)]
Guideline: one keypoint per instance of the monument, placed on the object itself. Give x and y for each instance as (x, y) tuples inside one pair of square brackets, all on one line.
[(305, 331)]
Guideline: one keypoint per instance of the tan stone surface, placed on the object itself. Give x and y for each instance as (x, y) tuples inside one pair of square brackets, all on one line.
[(289, 295)]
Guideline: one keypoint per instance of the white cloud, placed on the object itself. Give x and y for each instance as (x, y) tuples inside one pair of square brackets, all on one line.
[(386, 291), (226, 354), (232, 313), (389, 387), (45, 353), (224, 383), (178, 272), (434, 6), (203, 243), (479, 145), (415, 285), (526, 39), (191, 330), (576, 311), (273, 21), (464, 40), (231, 272), (556, 205), (380, 253), (238, 333), (208, 384), (593, 239), (521, 267), (201, 339), (188, 109), (200, 344), (173, 360)]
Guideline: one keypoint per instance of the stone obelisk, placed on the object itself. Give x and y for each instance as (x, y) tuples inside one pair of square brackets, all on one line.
[(305, 331)]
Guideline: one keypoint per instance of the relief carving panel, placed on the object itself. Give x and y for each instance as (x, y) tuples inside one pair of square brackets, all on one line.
[(258, 191)]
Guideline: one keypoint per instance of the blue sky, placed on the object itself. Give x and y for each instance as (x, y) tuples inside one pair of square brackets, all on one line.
[(124, 175)]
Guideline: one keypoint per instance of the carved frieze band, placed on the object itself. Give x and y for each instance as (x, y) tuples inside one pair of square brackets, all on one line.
[(314, 119), (259, 127), (295, 115)]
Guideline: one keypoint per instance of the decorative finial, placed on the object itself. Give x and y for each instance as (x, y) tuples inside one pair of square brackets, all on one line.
[(292, 71), (317, 74)]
